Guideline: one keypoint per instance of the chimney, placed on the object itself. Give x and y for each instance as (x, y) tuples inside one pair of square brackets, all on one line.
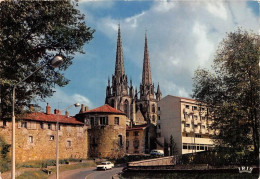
[(67, 113), (86, 109), (56, 111), (48, 109), (82, 110)]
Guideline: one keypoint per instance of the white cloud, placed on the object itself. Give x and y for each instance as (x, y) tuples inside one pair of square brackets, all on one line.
[(181, 37), (61, 100)]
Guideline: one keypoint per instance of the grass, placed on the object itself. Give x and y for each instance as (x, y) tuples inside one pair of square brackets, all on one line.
[(33, 175), (42, 175)]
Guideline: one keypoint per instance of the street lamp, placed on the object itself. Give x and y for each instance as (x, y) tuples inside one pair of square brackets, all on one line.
[(55, 62), (57, 141)]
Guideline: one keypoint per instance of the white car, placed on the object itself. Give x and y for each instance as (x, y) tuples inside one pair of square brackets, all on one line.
[(105, 166), (157, 152)]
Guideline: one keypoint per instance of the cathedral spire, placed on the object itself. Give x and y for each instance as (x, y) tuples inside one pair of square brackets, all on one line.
[(119, 67), (146, 76)]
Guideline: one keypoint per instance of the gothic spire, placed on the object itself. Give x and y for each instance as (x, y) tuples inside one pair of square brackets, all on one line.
[(119, 67), (146, 76)]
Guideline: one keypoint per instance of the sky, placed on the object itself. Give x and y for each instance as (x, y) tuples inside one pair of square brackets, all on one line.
[(182, 36)]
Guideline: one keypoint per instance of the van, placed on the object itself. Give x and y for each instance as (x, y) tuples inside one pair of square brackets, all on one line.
[(157, 152)]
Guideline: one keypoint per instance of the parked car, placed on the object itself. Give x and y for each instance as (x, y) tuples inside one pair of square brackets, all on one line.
[(105, 166), (157, 152)]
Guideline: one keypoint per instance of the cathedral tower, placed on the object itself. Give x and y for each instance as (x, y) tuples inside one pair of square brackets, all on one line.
[(119, 95), (147, 103)]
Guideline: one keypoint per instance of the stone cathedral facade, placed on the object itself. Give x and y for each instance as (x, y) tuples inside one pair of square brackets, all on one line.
[(140, 105)]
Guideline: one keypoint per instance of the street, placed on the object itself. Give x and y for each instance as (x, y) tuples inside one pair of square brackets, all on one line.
[(88, 173)]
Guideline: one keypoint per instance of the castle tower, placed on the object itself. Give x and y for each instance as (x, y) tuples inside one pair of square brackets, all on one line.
[(118, 95)]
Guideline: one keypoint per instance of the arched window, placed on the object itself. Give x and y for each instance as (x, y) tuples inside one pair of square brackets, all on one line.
[(153, 108), (153, 118), (120, 140), (126, 107)]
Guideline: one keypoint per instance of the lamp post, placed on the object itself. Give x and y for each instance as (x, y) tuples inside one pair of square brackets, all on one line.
[(57, 140), (55, 62)]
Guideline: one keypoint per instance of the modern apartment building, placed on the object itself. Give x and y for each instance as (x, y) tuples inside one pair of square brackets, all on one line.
[(187, 120)]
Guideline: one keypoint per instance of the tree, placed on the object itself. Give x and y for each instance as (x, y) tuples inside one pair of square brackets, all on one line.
[(232, 91), (32, 33), (173, 147)]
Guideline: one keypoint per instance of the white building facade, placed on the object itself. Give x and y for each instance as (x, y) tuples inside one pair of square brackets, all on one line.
[(187, 121)]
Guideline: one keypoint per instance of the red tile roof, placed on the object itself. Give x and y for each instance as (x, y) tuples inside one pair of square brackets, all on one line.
[(43, 117), (105, 109)]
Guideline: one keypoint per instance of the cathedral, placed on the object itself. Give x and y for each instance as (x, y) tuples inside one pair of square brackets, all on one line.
[(140, 105)]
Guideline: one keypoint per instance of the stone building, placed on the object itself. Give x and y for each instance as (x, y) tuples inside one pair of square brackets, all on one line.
[(106, 131), (135, 139), (36, 136), (139, 106), (187, 120)]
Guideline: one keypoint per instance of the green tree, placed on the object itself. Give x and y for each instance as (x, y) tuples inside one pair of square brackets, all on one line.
[(173, 147), (32, 33), (232, 91)]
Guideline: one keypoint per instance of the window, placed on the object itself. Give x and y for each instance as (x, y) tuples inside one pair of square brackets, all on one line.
[(159, 126), (197, 135), (159, 108), (153, 108), (153, 118), (187, 135), (159, 118), (96, 121), (116, 120), (69, 143), (201, 147), (120, 140), (203, 127), (136, 144), (202, 117), (127, 144), (42, 125), (4, 123), (51, 137), (194, 108), (30, 139), (195, 117), (59, 126), (49, 126), (184, 146), (186, 116), (187, 106), (127, 134), (195, 125), (187, 125), (103, 121), (136, 133), (126, 107), (92, 121), (24, 125)]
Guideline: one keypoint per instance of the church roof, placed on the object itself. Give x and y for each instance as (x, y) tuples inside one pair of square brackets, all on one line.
[(43, 117), (105, 109)]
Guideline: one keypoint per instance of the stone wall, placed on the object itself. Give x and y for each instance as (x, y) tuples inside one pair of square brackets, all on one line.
[(104, 140), (35, 143)]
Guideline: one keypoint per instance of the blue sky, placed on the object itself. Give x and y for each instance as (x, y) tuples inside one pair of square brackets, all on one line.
[(182, 36)]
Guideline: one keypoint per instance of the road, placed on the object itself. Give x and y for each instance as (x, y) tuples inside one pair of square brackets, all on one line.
[(88, 173)]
